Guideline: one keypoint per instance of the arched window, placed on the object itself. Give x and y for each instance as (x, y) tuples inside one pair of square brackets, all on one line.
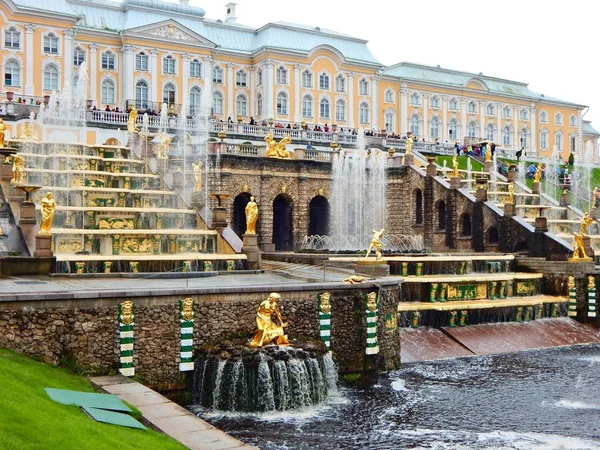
[(141, 95), (506, 136), (78, 56), (441, 213), (415, 125), (324, 108), (363, 112), (51, 43), (324, 81), (259, 104), (472, 129), (169, 64), (340, 83), (217, 102), (490, 132), (558, 141), (108, 92), (363, 87), (217, 74), (340, 110), (544, 117), (572, 142), (282, 75), (490, 109), (544, 139), (418, 206), (415, 99), (108, 60), (466, 225), (493, 235), (472, 107), (523, 114), (241, 78), (435, 102), (389, 96), (195, 69), (389, 121), (241, 105), (572, 121), (506, 112), (195, 100), (169, 94), (558, 119), (524, 137), (453, 129), (282, 103), (307, 79), (51, 77), (12, 73), (259, 77), (453, 104), (141, 61), (12, 38), (434, 127), (307, 106)]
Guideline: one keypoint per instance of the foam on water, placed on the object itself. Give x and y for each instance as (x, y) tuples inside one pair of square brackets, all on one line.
[(573, 404), (399, 385)]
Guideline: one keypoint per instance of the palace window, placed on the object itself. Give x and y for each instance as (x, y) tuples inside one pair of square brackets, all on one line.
[(415, 99), (307, 106), (558, 119), (259, 105), (506, 136), (51, 77), (472, 108), (324, 81), (108, 60), (307, 79), (507, 112), (195, 100), (544, 140), (389, 96), (141, 61), (12, 38), (363, 113), (282, 103), (340, 83), (78, 56), (415, 125), (472, 129), (523, 114), (544, 117), (558, 141), (453, 104), (51, 43), (524, 137), (572, 121), (141, 95), (217, 102), (389, 121), (241, 78), (12, 73), (282, 76), (108, 92), (490, 109), (453, 129), (340, 110), (435, 102), (434, 128), (241, 105), (259, 77), (363, 87), (169, 65), (195, 69), (169, 94), (217, 74), (490, 132), (324, 108)]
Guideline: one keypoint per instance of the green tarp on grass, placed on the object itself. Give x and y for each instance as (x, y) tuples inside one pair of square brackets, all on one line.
[(103, 401), (115, 418)]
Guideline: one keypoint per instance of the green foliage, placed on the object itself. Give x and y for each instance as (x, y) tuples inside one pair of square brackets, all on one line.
[(352, 378), (571, 159), (30, 419), (212, 139)]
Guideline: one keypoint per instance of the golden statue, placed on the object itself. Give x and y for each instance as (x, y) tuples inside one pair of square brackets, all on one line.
[(325, 303), (488, 151), (187, 309), (376, 244), (372, 301), (2, 135), (198, 175), (455, 167), (127, 312), (277, 150), (511, 192), (578, 249), (586, 221), (591, 282), (538, 173), (408, 146), (29, 133), (48, 206), (251, 216), (18, 170), (163, 145), (354, 279), (131, 121), (267, 330)]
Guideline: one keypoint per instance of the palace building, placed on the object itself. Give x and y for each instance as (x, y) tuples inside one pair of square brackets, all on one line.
[(152, 52)]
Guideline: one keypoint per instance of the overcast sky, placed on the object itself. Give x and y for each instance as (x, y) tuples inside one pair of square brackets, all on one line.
[(552, 45)]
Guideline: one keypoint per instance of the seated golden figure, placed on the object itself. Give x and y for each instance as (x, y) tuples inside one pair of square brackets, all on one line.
[(267, 330), (277, 150)]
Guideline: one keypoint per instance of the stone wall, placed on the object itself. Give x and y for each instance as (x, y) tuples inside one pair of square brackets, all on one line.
[(86, 330)]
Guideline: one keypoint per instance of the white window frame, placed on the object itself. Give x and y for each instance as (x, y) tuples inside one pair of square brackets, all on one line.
[(558, 141), (307, 106), (282, 75), (415, 99), (217, 75), (472, 129), (259, 104), (217, 102), (55, 75), (544, 140), (241, 105), (108, 92), (340, 110), (415, 125), (165, 94), (51, 44), (259, 74), (523, 114), (108, 61), (324, 82), (142, 93), (434, 133), (241, 78), (506, 112), (78, 56), (490, 109), (558, 120), (307, 79), (472, 107), (195, 69), (169, 65), (572, 121), (490, 132), (141, 62), (524, 137), (363, 87), (9, 38), (340, 83), (506, 136), (324, 108), (195, 100), (434, 102), (453, 127), (11, 66), (364, 112), (389, 118), (543, 117), (453, 104), (281, 103)]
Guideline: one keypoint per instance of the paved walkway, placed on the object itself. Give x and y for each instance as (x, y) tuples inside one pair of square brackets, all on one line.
[(168, 417)]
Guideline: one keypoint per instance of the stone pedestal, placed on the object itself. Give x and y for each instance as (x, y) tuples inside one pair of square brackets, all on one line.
[(541, 224), (43, 246), (587, 246), (564, 199), (455, 182), (6, 172), (535, 188), (409, 159), (268, 247), (510, 210), (27, 213), (250, 248), (372, 267), (431, 170), (219, 218), (481, 194), (488, 166), (511, 177)]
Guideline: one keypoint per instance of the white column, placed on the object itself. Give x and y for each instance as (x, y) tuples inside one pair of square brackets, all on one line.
[(444, 119), (579, 143), (499, 124), (268, 89), (252, 86), (129, 65), (375, 97), (230, 112), (403, 109), (297, 83), (463, 118), (482, 127), (425, 131), (517, 130), (93, 71), (207, 91), (185, 76), (154, 74), (68, 56), (351, 100), (29, 88), (533, 128)]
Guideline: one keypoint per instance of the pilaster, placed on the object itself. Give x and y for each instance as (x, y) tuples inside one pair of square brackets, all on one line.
[(94, 73), (68, 55), (154, 73), (29, 52), (230, 112), (351, 100), (297, 83), (375, 97), (129, 65)]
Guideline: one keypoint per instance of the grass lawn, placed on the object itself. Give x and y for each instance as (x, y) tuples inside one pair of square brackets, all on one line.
[(462, 163), (30, 420)]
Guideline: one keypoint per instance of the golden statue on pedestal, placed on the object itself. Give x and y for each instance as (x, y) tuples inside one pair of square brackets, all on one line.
[(267, 330), (586, 221), (198, 175), (455, 167), (277, 150), (578, 247), (18, 170), (538, 173), (163, 145), (2, 135), (251, 216), (48, 206), (29, 133), (408, 146), (488, 152), (131, 121), (511, 193), (354, 279), (376, 244)]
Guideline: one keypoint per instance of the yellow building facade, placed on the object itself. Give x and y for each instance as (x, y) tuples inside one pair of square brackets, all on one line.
[(150, 52)]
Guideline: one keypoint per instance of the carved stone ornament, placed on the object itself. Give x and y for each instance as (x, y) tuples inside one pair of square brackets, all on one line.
[(170, 31)]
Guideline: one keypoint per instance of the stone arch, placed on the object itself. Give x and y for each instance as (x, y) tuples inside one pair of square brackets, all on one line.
[(239, 213), (492, 235), (522, 246), (441, 215), (466, 225), (283, 222), (318, 216), (112, 141), (418, 195)]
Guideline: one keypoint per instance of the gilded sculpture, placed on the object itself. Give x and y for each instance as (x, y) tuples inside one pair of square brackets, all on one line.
[(267, 330), (127, 312), (571, 282), (538, 173), (455, 167), (187, 309), (197, 175), (277, 150), (376, 244), (325, 304), (488, 151), (2, 134), (354, 279), (408, 146), (48, 206), (163, 145), (511, 192), (18, 170), (251, 216), (578, 248), (586, 221), (29, 133), (131, 121), (372, 301), (591, 282)]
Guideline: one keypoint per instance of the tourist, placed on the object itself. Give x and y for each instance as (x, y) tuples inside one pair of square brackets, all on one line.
[(252, 122), (519, 154), (309, 146)]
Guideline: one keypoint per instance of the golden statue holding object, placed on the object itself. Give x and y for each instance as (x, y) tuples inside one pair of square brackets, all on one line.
[(488, 151), (197, 175), (18, 170), (277, 150), (48, 206), (376, 244), (455, 167), (267, 331), (251, 216), (131, 121), (408, 146), (2, 134), (538, 173), (163, 145), (578, 248), (586, 221), (511, 192)]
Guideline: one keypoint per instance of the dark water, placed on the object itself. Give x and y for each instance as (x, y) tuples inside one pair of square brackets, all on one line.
[(544, 399)]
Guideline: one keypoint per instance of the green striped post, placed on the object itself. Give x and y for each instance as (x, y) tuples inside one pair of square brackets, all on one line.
[(591, 296), (572, 297), (126, 322), (324, 303), (372, 308), (186, 320)]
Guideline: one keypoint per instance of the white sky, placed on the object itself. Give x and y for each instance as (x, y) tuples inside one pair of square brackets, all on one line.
[(552, 45)]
